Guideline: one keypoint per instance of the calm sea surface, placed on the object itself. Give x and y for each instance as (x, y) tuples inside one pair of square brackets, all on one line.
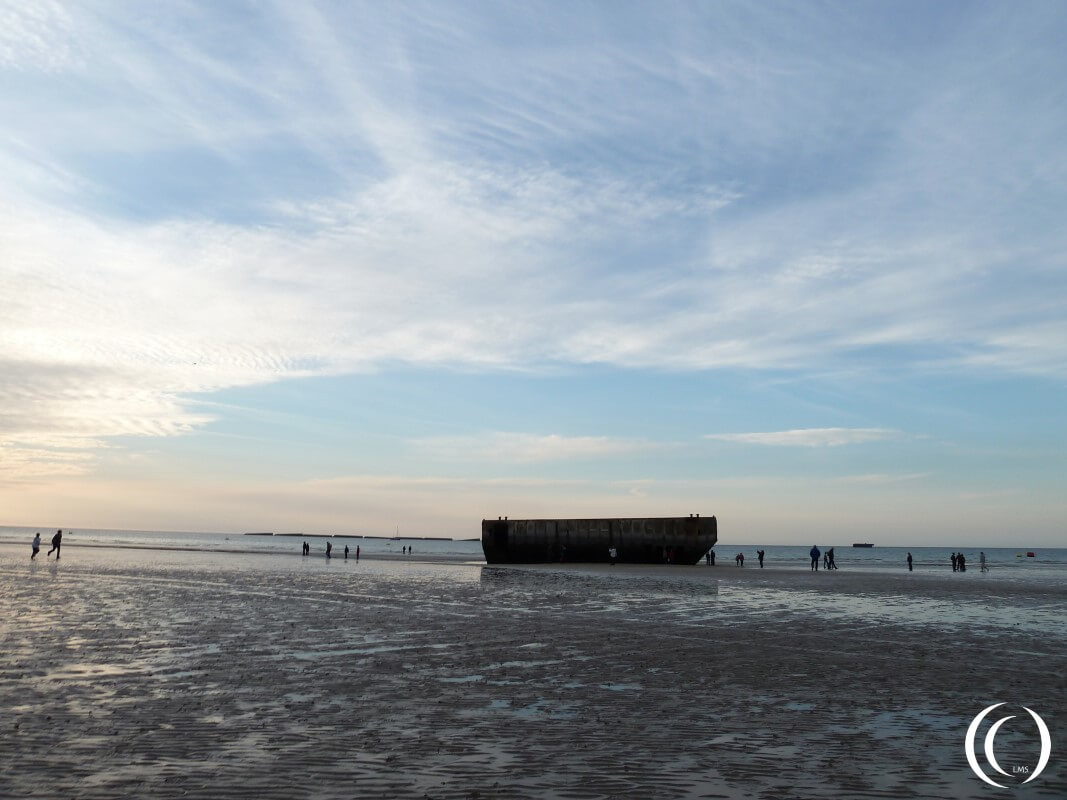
[(1046, 564)]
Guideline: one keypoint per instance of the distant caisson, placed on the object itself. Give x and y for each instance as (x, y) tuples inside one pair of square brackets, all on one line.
[(637, 540)]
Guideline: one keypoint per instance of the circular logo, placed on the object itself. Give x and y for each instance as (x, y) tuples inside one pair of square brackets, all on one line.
[(970, 746)]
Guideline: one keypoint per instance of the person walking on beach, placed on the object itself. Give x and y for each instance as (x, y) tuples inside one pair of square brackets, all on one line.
[(741, 559), (36, 546), (57, 540), (759, 555), (329, 547), (825, 561), (830, 563), (814, 553), (982, 566), (955, 562), (909, 562), (961, 562), (612, 554), (357, 552), (707, 558), (346, 552)]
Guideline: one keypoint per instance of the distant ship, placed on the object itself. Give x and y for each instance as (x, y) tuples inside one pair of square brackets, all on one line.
[(637, 540), (862, 544)]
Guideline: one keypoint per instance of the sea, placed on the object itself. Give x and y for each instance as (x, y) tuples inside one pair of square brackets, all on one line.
[(1025, 563)]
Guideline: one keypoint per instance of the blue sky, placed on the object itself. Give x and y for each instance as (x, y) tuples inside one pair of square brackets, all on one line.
[(349, 267)]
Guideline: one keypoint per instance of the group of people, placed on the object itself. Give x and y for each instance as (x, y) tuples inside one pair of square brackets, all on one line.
[(57, 542), (827, 558), (739, 559), (959, 562), (329, 550)]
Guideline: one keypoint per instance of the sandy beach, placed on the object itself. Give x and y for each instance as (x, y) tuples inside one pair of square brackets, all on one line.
[(167, 674)]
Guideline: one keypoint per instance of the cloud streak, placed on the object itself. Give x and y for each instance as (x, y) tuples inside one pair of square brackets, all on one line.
[(527, 448), (441, 189), (808, 437)]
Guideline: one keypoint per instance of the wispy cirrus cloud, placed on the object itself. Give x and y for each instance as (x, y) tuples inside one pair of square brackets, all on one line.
[(524, 448), (882, 478), (809, 437), (185, 210)]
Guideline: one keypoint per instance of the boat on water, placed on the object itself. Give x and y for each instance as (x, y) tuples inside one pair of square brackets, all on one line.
[(637, 540), (862, 544)]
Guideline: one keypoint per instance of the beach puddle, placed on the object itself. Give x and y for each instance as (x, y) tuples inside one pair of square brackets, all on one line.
[(463, 679), (620, 687), (89, 671), (542, 708)]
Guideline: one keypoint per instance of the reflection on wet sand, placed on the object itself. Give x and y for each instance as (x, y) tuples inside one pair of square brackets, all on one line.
[(209, 675)]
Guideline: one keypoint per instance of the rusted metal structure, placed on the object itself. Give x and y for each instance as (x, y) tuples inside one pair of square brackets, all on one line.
[(637, 540)]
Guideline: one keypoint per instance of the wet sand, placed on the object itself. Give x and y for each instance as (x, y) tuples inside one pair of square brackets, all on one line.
[(168, 674)]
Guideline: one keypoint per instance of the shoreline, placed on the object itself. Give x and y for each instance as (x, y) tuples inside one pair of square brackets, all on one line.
[(923, 570)]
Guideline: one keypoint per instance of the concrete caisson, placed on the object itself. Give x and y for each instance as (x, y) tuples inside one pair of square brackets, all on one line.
[(637, 540)]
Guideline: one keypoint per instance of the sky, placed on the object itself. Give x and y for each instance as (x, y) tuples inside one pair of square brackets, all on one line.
[(371, 268)]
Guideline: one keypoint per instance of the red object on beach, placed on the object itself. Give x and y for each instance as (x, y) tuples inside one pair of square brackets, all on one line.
[(1030, 554)]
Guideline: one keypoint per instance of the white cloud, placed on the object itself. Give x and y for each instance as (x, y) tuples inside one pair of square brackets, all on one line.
[(883, 478), (809, 437), (36, 36), (563, 199), (522, 448)]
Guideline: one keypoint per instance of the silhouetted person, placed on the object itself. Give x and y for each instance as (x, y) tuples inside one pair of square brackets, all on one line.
[(909, 562), (759, 555), (830, 563), (982, 566), (357, 552), (955, 562), (961, 562), (329, 547), (57, 540), (346, 552), (814, 553), (36, 546), (741, 559), (707, 558)]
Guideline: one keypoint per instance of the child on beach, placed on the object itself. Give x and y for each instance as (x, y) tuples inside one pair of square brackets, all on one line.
[(36, 546)]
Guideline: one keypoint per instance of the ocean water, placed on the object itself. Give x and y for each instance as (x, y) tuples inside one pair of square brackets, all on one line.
[(223, 542), (1047, 563)]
